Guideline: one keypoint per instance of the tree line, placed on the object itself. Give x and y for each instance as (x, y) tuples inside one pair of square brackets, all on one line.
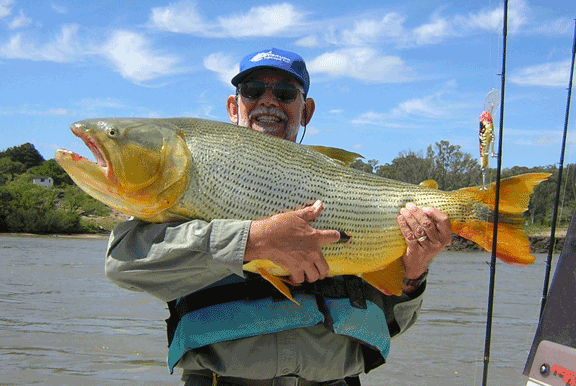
[(26, 207), (29, 208)]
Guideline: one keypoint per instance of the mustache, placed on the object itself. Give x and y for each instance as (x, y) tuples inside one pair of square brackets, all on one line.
[(262, 110)]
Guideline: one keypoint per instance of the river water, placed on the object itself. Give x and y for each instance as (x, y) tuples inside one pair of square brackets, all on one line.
[(63, 323)]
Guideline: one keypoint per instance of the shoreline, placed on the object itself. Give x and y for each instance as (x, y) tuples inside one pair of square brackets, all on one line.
[(64, 236), (538, 243)]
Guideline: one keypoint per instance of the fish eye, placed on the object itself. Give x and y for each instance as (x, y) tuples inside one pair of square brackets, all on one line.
[(113, 132)]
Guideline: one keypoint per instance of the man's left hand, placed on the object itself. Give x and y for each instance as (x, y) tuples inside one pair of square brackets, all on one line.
[(427, 231)]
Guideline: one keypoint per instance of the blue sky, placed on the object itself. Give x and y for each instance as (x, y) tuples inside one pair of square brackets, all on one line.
[(386, 77)]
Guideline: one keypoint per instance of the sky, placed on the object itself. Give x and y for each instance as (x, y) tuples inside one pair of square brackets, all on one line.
[(387, 77)]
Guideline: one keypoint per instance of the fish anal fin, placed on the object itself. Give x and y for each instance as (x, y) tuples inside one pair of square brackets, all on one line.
[(387, 280), (278, 283), (430, 184)]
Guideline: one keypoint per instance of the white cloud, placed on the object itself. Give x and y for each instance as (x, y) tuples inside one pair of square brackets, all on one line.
[(262, 21), (63, 48), (433, 32), (371, 30), (269, 20), (57, 111), (361, 63), (132, 56), (548, 74), (102, 103), (5, 8), (223, 65), (35, 110), (377, 119), (310, 41), (558, 27), (312, 131), (412, 113), (59, 8), (492, 19), (180, 17), (19, 21), (423, 107)]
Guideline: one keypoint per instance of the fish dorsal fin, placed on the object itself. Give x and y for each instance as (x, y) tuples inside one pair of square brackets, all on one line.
[(429, 184), (340, 156)]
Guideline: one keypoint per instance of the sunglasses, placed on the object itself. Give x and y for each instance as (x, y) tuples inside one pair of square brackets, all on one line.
[(284, 92)]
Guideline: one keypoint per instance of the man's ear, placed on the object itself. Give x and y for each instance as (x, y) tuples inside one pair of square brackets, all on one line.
[(232, 108), (308, 111)]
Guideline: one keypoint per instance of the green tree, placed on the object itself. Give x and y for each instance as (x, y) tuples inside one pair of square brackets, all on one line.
[(6, 205), (32, 209), (407, 167), (51, 168), (363, 166), (25, 154), (9, 169), (453, 169), (75, 200)]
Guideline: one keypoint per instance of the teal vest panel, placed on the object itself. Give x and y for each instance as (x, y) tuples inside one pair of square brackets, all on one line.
[(367, 325), (240, 319)]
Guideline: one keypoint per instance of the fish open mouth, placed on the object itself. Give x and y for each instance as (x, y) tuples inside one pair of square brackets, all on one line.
[(79, 167), (92, 144)]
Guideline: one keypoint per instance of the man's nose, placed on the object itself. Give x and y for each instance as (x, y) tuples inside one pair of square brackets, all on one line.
[(268, 98)]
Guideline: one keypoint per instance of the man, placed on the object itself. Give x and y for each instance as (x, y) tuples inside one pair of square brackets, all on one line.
[(233, 329)]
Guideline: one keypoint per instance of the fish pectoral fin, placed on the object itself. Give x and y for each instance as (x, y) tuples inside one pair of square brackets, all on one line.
[(387, 280), (430, 184), (278, 283)]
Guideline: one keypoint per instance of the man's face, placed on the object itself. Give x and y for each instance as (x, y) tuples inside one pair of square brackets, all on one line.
[(266, 113)]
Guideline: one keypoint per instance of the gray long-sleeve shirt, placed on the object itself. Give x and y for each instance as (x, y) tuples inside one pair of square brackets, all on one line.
[(171, 260)]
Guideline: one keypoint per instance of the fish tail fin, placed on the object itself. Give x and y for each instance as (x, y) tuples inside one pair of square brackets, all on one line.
[(513, 245)]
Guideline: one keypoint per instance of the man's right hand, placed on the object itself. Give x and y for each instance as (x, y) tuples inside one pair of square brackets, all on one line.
[(290, 242)]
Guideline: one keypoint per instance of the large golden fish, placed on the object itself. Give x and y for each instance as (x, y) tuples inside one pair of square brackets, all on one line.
[(183, 168)]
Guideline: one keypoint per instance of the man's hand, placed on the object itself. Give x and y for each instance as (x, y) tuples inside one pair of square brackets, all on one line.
[(427, 231), (287, 240)]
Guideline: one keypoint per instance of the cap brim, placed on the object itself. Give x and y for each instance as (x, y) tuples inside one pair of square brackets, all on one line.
[(242, 75)]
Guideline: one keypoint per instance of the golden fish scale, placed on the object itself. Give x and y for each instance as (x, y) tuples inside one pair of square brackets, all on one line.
[(241, 174)]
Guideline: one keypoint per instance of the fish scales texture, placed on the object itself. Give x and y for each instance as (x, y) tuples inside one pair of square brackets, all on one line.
[(239, 176), (183, 168)]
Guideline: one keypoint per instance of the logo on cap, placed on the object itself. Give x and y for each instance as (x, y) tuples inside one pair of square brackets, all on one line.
[(269, 55)]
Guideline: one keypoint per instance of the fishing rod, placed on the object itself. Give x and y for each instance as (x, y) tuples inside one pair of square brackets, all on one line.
[(489, 313), (558, 187)]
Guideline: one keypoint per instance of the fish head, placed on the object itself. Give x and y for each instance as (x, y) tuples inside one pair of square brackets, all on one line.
[(140, 168)]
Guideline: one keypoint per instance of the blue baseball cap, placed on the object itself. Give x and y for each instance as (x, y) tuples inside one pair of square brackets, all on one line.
[(285, 61)]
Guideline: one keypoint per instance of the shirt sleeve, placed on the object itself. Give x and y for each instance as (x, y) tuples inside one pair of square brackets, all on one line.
[(402, 311), (170, 260)]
